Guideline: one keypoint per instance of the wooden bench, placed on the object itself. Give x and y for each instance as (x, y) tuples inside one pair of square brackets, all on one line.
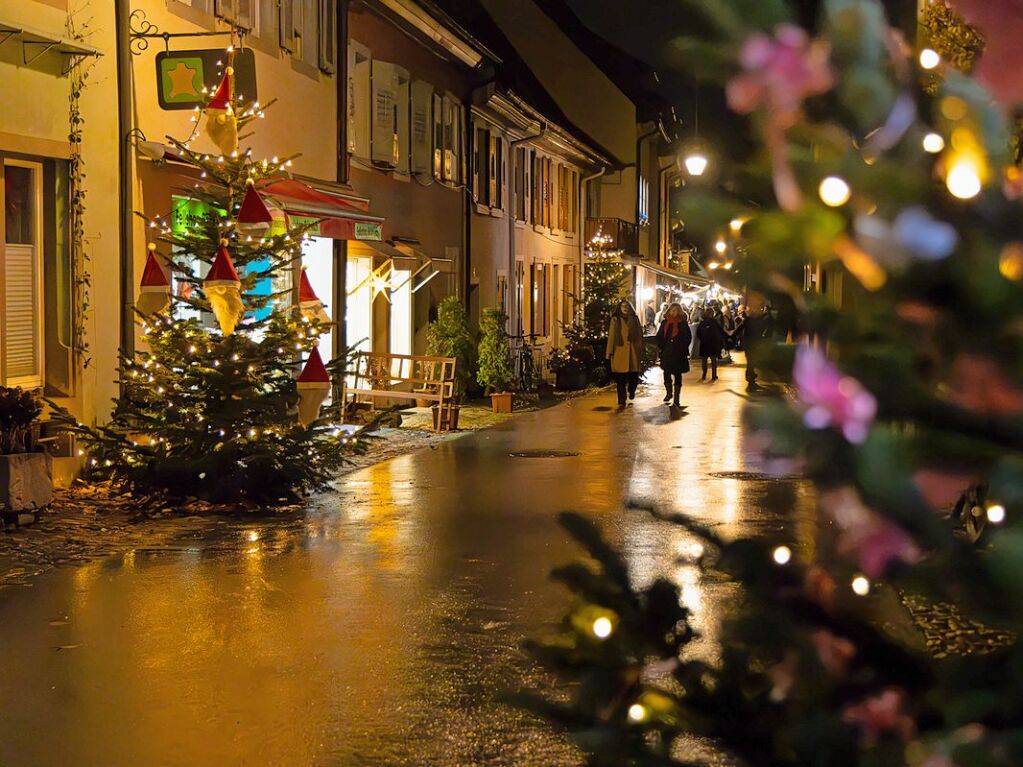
[(378, 375)]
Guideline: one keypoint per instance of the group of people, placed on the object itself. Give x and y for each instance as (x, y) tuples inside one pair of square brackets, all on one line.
[(706, 334)]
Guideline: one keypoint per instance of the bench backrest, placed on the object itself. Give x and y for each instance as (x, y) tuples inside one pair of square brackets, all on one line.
[(404, 372)]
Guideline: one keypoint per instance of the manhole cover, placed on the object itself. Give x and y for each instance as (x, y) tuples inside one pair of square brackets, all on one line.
[(756, 476), (543, 454)]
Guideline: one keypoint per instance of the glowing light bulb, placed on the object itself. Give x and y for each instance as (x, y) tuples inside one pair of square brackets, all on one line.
[(929, 58), (860, 585), (696, 164), (834, 191), (602, 628), (996, 514), (720, 246), (736, 225), (933, 143), (963, 179), (637, 712), (782, 555)]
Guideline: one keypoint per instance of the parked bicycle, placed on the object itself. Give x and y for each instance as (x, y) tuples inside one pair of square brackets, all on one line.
[(529, 361)]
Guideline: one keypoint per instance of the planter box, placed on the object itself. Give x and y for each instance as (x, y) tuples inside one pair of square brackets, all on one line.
[(26, 482), (501, 403), (571, 380), (445, 418)]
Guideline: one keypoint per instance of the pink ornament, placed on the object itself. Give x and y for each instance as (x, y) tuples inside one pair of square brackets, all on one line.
[(880, 714), (832, 399), (874, 541)]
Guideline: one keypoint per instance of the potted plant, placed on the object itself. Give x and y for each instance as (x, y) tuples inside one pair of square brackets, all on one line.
[(571, 365), (26, 476), (449, 336), (495, 372)]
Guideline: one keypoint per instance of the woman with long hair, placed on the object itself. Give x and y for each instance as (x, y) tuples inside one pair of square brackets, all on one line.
[(673, 339), (624, 348)]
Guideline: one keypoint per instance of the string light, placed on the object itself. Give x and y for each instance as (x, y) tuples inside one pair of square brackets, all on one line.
[(782, 555), (834, 191), (602, 627), (929, 58), (637, 712), (963, 179), (996, 513), (860, 585), (933, 143)]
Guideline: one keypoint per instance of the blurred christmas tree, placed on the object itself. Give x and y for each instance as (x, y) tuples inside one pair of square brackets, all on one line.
[(906, 413), (212, 407)]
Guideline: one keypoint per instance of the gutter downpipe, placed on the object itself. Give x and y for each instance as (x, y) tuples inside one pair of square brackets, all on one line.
[(582, 225), (513, 319), (340, 297), (122, 11)]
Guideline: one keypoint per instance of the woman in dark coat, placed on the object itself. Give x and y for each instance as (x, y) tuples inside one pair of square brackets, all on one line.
[(712, 341), (673, 339)]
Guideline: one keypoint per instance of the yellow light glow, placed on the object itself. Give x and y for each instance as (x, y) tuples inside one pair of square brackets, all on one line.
[(834, 191), (713, 265), (696, 164), (602, 628), (860, 585), (736, 225), (727, 265), (720, 246), (963, 179), (933, 143), (637, 712), (996, 514), (782, 555), (929, 58), (1010, 262)]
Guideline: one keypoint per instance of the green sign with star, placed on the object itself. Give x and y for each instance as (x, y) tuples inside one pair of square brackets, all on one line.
[(182, 75)]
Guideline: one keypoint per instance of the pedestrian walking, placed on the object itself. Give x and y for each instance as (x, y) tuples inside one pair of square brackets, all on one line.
[(673, 339), (712, 342), (624, 348)]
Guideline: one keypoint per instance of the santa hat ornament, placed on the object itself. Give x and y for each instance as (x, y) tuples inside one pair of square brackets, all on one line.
[(221, 122), (223, 290), (313, 387), (308, 303), (253, 217), (154, 290)]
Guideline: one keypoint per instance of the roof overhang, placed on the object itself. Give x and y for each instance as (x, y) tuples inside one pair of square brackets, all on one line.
[(424, 19)]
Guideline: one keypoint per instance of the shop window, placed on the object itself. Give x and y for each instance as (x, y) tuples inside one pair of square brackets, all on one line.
[(318, 261), (360, 64), (21, 315)]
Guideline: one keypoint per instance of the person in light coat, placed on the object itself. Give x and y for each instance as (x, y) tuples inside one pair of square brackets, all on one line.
[(624, 349)]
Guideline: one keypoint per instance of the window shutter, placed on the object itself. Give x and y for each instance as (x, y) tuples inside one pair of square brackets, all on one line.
[(385, 116), (422, 98), (21, 313), (359, 99), (438, 135), (286, 17), (328, 10)]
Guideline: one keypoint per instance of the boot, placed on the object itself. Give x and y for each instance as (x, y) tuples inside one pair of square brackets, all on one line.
[(678, 394), (667, 395)]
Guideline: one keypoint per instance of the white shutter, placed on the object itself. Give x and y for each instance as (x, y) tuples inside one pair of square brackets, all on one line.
[(385, 117), (422, 125), (401, 108), (22, 316), (359, 66)]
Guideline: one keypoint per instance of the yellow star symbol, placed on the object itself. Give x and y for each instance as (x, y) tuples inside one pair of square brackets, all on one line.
[(182, 79)]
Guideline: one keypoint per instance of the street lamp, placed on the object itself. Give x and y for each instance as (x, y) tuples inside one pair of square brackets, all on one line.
[(696, 163), (720, 246)]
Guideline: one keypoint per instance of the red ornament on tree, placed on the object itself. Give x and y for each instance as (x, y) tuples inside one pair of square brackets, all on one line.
[(223, 290), (154, 289), (221, 122), (308, 302), (313, 387), (254, 217)]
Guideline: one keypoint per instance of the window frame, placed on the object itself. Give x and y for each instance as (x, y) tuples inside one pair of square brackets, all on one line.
[(37, 380)]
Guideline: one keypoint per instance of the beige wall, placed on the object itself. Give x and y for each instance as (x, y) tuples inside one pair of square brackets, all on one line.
[(34, 121)]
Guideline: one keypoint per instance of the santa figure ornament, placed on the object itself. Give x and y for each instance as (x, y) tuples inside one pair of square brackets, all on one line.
[(254, 217), (221, 122), (223, 290), (154, 290), (308, 303), (313, 387)]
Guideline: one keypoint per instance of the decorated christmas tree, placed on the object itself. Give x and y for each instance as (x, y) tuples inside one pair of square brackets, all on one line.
[(892, 168), (225, 399)]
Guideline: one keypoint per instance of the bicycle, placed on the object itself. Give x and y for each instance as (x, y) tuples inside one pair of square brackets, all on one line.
[(528, 367)]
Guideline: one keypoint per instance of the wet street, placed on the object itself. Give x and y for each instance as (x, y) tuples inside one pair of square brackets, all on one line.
[(382, 626)]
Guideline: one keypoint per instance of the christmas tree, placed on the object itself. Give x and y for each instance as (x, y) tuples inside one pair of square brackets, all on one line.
[(224, 402), (892, 168)]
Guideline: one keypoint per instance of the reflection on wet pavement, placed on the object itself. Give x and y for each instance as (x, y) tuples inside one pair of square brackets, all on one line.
[(381, 627)]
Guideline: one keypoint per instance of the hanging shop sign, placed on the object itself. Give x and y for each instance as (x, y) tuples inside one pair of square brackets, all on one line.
[(368, 231), (182, 75)]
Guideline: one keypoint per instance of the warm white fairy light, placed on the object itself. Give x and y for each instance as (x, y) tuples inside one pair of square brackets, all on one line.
[(860, 585), (602, 627), (834, 191), (996, 513), (929, 58), (637, 712), (963, 179), (782, 555), (933, 143)]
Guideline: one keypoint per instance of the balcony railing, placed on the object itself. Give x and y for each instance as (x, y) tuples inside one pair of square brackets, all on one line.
[(622, 233)]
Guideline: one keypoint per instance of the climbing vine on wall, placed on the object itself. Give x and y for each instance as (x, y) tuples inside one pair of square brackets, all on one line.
[(80, 274)]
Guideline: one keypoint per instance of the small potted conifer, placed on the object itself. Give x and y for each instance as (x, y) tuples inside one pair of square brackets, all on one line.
[(495, 372), (26, 475), (449, 336)]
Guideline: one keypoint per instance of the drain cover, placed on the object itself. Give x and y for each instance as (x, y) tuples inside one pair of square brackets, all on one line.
[(756, 476), (542, 454)]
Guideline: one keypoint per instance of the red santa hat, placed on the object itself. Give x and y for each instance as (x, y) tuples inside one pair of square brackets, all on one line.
[(222, 272), (314, 374), (308, 302), (154, 279), (313, 386), (222, 95), (253, 217)]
